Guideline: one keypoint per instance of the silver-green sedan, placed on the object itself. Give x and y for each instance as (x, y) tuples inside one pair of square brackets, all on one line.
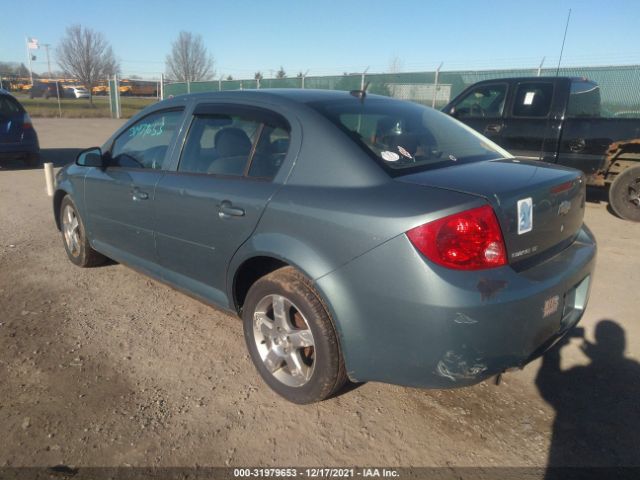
[(358, 237)]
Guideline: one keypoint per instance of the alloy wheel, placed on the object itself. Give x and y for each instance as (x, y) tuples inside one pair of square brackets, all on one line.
[(71, 230), (284, 340)]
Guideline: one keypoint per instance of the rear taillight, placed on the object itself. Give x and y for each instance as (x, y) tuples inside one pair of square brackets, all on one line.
[(469, 240), (26, 121)]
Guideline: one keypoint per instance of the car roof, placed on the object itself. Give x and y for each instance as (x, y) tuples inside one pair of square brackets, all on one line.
[(297, 95), (534, 79)]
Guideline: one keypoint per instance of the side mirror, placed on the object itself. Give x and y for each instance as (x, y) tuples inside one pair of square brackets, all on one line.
[(91, 157), (452, 111)]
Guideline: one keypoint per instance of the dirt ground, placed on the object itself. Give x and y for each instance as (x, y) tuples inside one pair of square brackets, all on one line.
[(105, 367)]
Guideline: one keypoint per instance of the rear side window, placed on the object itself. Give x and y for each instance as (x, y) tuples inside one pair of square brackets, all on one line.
[(234, 145), (8, 106), (533, 100), (145, 143), (270, 151), (406, 137), (584, 100)]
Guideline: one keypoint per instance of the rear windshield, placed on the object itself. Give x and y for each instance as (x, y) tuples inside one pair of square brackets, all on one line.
[(8, 106), (406, 137)]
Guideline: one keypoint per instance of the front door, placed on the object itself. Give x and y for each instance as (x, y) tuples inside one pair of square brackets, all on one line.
[(482, 109), (212, 203), (119, 197)]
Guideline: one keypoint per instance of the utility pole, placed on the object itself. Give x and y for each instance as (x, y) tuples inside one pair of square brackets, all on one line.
[(362, 78), (435, 86), (29, 59), (46, 49), (304, 75), (540, 66)]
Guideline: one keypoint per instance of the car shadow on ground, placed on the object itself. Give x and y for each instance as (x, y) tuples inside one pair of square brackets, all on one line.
[(600, 195), (58, 156), (597, 419), (597, 194)]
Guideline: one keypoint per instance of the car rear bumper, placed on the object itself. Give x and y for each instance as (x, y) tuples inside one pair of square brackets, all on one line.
[(18, 150), (404, 320)]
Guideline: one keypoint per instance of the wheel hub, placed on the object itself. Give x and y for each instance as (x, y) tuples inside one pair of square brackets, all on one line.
[(634, 193), (281, 345)]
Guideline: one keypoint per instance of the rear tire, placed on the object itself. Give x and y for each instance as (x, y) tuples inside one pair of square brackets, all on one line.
[(74, 237), (624, 194), (291, 337)]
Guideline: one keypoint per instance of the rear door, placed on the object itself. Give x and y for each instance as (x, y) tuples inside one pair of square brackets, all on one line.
[(212, 203), (119, 198), (11, 120), (482, 108), (532, 128)]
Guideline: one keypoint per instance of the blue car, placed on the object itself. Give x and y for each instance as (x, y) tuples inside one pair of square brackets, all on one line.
[(357, 236), (18, 138)]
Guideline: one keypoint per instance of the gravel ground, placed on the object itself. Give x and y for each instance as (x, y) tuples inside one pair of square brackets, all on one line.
[(105, 367)]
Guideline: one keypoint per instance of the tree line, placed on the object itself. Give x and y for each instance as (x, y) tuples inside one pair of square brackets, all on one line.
[(86, 55)]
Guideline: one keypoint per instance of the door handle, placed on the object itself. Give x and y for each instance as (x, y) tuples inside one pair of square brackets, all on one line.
[(577, 145), (493, 128), (137, 195), (226, 210)]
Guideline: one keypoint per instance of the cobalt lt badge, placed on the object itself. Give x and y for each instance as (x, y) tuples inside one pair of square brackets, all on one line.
[(525, 215)]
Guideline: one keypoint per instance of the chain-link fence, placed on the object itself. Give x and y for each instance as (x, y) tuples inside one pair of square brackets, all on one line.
[(619, 85), (116, 97)]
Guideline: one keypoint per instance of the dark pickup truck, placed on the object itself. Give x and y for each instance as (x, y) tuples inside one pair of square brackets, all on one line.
[(559, 120)]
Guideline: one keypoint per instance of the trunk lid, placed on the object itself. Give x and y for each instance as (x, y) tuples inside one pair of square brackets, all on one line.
[(540, 207)]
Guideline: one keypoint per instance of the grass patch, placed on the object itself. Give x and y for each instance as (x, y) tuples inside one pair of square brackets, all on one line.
[(80, 107)]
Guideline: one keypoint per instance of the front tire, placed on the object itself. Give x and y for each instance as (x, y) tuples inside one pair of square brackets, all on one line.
[(74, 237), (624, 194), (291, 337)]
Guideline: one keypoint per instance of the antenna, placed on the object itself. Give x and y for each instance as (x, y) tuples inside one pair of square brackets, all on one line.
[(360, 93), (566, 27)]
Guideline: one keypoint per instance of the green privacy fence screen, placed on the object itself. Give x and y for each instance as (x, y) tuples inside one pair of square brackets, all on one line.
[(620, 85)]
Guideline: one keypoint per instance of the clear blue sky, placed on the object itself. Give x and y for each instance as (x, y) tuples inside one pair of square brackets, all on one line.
[(327, 36)]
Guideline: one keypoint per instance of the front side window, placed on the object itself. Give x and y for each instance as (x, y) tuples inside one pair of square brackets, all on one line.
[(406, 137), (145, 143), (482, 101), (533, 100), (234, 145)]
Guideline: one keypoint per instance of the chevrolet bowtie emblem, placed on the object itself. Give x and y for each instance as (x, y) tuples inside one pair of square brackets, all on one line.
[(564, 208)]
